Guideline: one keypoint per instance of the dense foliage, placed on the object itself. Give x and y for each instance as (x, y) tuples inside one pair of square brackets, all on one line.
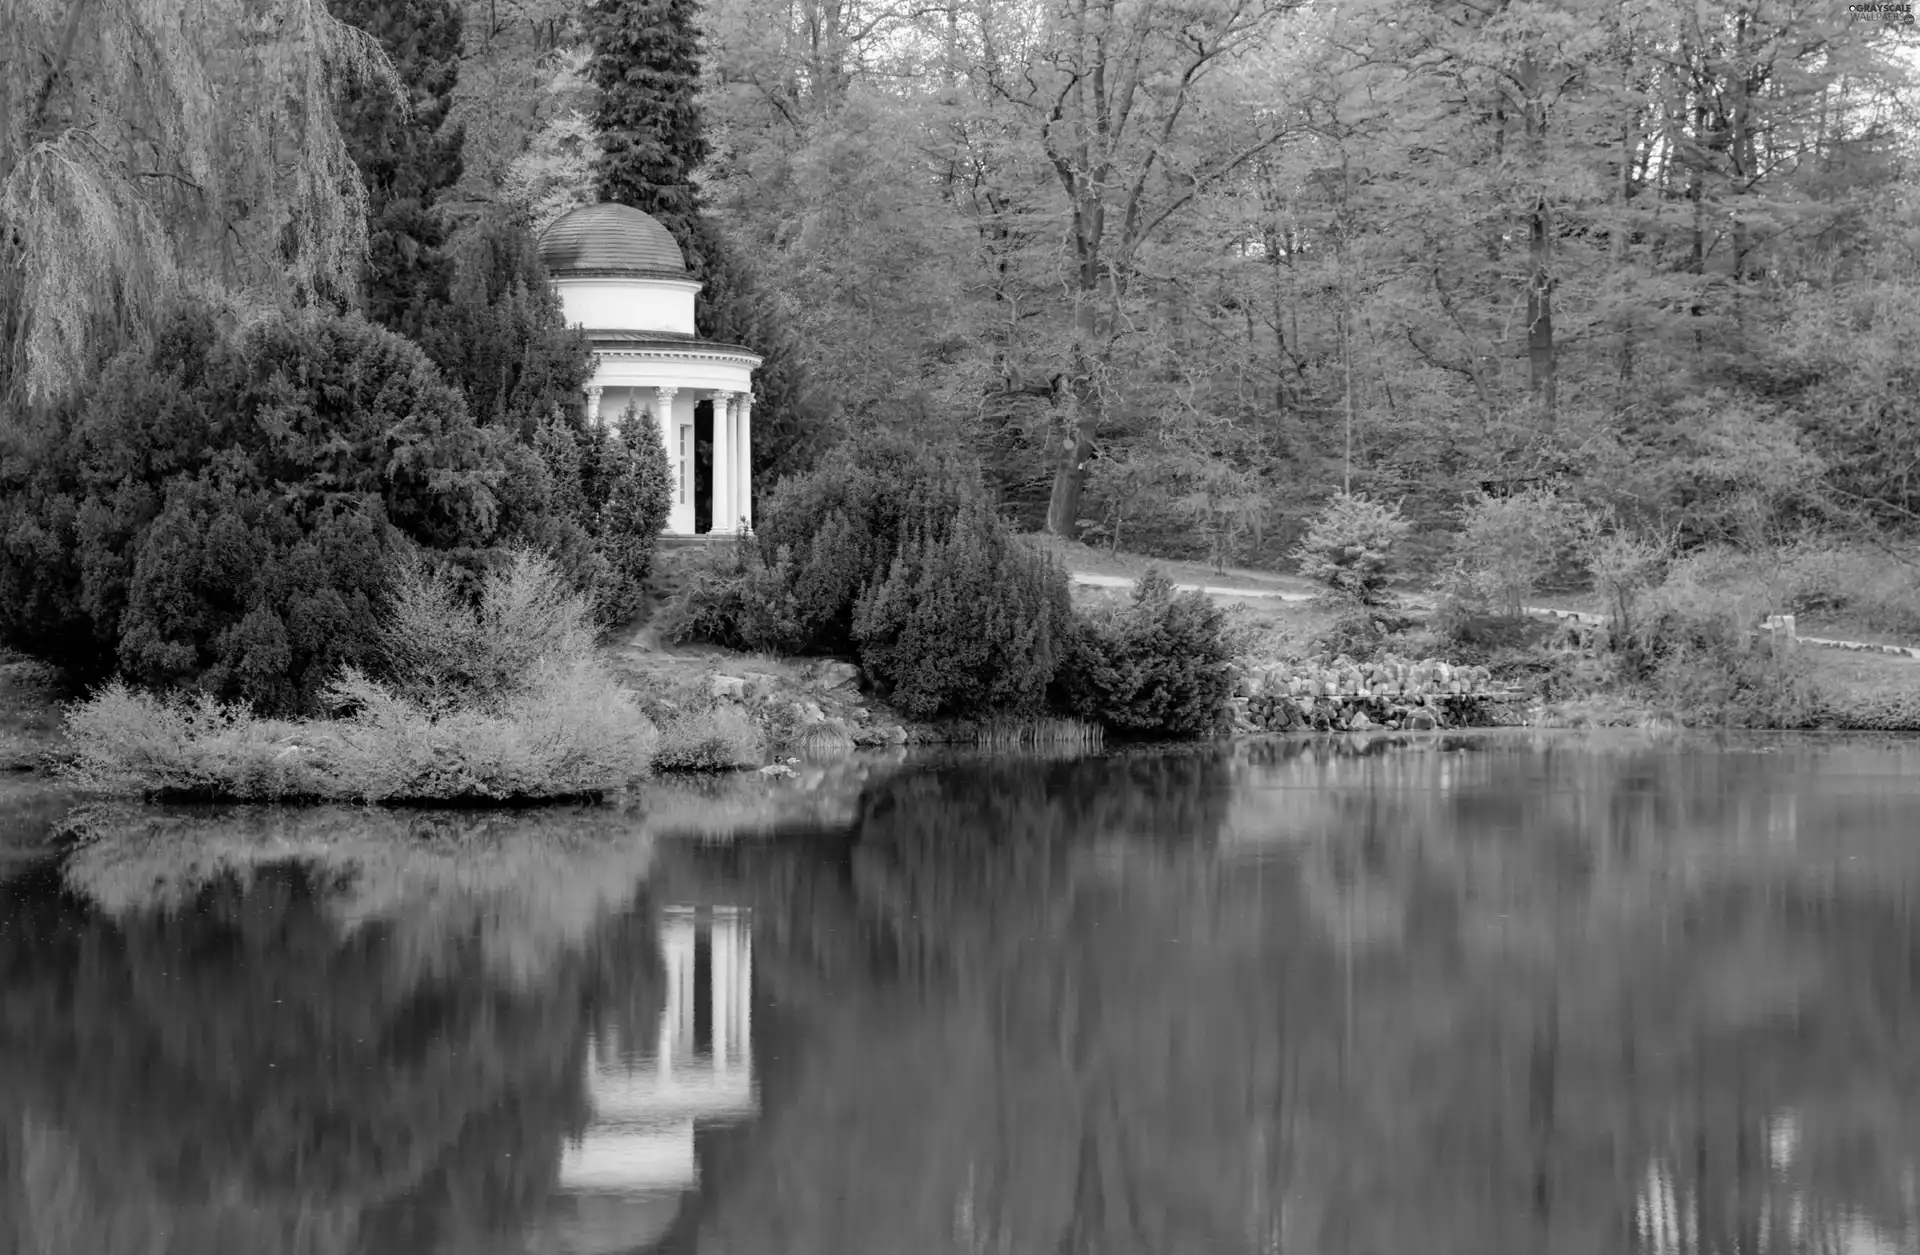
[(501, 336), (500, 696), (967, 619), (222, 510), (1155, 667), (1506, 546), (891, 553), (653, 138), (407, 154), (822, 538)]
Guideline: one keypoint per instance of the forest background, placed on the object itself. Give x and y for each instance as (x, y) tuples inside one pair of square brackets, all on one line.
[(1176, 271), (1172, 272)]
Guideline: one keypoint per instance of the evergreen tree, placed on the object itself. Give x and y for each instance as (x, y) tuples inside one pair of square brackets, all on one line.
[(500, 334), (646, 63), (407, 153), (220, 510)]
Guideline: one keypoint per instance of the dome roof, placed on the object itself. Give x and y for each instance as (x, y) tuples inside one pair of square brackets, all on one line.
[(610, 239)]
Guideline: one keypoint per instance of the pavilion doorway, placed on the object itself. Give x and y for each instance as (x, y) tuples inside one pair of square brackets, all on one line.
[(703, 467)]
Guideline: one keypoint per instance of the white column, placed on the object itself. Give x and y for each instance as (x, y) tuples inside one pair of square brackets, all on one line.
[(724, 472), (744, 406), (669, 437), (593, 405), (662, 421)]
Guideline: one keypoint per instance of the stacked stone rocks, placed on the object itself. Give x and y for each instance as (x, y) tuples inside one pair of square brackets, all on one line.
[(1349, 696)]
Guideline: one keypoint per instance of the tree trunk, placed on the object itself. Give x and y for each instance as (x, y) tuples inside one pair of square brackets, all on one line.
[(1540, 348), (1540, 358), (1628, 145), (1696, 195), (1089, 350)]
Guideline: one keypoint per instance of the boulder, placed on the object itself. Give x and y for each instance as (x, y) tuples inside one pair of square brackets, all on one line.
[(760, 685), (1359, 722), (1421, 721), (727, 687), (807, 714)]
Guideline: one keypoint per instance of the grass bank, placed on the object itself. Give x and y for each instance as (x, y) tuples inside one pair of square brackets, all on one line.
[(1567, 681)]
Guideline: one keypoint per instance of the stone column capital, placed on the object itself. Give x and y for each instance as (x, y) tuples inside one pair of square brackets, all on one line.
[(666, 394)]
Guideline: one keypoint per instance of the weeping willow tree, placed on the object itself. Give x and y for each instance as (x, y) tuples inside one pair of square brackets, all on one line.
[(153, 146)]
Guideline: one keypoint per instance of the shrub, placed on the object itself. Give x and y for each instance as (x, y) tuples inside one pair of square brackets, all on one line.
[(627, 491), (123, 741), (967, 620), (498, 701), (1474, 639), (440, 650), (1624, 565), (718, 738), (824, 537), (1360, 633), (220, 509), (1157, 666), (568, 733), (1507, 545), (1348, 546), (700, 731), (1695, 649), (569, 730), (1548, 674), (500, 334), (710, 605), (1894, 710)]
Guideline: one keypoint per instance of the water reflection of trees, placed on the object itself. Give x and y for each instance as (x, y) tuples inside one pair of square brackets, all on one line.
[(347, 1031), (1567, 1002)]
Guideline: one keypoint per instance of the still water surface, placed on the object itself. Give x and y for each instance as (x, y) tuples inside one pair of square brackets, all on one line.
[(1466, 995)]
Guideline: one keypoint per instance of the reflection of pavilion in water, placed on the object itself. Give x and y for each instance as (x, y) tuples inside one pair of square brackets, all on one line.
[(626, 1177)]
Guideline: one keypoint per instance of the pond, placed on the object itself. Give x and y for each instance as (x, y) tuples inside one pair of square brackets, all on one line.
[(1503, 992)]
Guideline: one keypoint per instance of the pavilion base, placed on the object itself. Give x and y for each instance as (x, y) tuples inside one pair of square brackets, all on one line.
[(686, 540)]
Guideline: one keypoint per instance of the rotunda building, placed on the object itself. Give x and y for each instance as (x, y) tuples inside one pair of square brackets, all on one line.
[(622, 279)]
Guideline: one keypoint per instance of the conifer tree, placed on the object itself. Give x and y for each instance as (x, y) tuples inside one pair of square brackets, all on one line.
[(646, 63), (407, 153)]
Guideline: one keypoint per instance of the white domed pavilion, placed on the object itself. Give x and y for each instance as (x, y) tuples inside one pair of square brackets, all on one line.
[(621, 278)]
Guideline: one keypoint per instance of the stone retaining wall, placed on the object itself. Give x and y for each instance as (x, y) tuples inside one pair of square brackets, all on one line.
[(1351, 697)]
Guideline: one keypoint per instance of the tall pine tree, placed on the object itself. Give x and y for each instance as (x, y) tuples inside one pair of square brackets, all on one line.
[(646, 63), (407, 158)]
